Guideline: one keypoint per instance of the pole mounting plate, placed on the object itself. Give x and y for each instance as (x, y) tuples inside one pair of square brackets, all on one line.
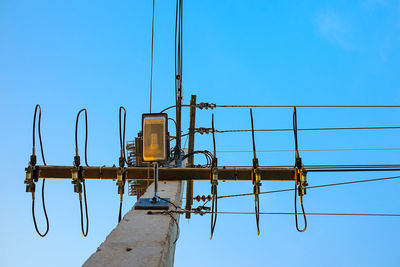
[(149, 204)]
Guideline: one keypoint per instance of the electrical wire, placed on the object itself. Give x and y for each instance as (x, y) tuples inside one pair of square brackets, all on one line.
[(352, 168), (84, 232), (298, 168), (334, 168), (174, 106), (302, 209), (214, 183), (256, 186), (170, 213), (176, 128), (310, 150), (315, 186), (206, 153), (308, 106), (44, 180), (177, 226), (173, 121), (122, 133), (122, 159), (151, 68), (166, 200), (308, 213), (291, 106), (311, 129), (86, 134)]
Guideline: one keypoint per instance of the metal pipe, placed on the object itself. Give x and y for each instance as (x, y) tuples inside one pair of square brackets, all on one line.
[(155, 198)]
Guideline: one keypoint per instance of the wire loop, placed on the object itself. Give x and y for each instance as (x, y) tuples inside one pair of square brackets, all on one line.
[(299, 177), (255, 177), (122, 160), (77, 173), (33, 173), (214, 184)]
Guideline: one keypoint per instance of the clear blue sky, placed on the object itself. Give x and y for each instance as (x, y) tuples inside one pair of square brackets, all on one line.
[(75, 54)]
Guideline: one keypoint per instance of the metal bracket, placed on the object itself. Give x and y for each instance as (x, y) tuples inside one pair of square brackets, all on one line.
[(152, 204)]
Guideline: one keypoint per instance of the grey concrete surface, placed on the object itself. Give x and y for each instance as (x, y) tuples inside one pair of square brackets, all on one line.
[(141, 239)]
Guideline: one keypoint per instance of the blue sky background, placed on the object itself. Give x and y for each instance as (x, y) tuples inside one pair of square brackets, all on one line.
[(75, 54)]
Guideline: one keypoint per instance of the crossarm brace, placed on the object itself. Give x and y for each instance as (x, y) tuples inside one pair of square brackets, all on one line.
[(168, 174)]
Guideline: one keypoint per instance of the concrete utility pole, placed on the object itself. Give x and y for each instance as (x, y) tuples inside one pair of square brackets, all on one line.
[(141, 239)]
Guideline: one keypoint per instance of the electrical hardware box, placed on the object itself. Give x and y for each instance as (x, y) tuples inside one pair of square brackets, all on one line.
[(155, 137)]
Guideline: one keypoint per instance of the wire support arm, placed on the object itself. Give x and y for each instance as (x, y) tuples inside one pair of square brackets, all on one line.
[(168, 174)]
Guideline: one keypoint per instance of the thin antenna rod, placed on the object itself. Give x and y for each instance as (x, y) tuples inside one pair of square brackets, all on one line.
[(151, 68)]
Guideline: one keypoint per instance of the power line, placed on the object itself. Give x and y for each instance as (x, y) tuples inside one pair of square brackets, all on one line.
[(310, 150), (315, 186), (286, 106), (323, 167), (311, 129), (283, 106), (307, 106), (309, 213), (352, 168)]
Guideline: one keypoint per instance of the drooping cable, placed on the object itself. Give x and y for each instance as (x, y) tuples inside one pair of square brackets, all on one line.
[(32, 164), (86, 134), (171, 214), (151, 68), (299, 174), (255, 177), (214, 184), (206, 153), (122, 134), (315, 186), (80, 178), (122, 160), (313, 150), (174, 121)]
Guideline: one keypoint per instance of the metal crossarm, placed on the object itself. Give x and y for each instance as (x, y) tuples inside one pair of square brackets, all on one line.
[(168, 174)]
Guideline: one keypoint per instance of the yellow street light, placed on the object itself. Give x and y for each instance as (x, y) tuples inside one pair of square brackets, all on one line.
[(155, 137)]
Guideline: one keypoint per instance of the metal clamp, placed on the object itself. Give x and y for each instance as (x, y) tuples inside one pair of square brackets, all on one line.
[(77, 179), (31, 175), (203, 130), (206, 105), (301, 181), (121, 178)]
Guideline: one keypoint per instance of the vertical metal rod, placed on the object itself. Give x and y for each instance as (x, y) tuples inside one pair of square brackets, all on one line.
[(155, 198), (178, 81), (192, 125)]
